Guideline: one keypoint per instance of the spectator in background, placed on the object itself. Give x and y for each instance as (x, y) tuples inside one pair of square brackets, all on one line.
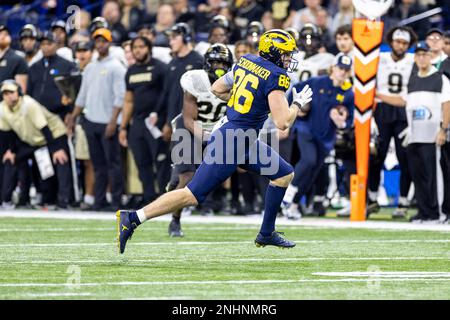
[(447, 43), (165, 19), (78, 36), (407, 9), (41, 84), (34, 127), (435, 41), (282, 12), (29, 43), (344, 16), (183, 12), (323, 22), (83, 56), (111, 13), (84, 19), (205, 12), (58, 29), (344, 40), (241, 48), (161, 53), (132, 14), (218, 33), (254, 31), (307, 14), (102, 94), (12, 66), (126, 46), (247, 11)]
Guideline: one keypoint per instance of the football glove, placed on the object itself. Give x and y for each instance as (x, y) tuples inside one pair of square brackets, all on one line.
[(404, 135), (302, 98)]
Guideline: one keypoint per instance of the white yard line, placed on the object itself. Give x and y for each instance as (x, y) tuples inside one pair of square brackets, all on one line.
[(149, 261), (249, 220), (189, 243), (384, 274), (56, 294), (217, 282)]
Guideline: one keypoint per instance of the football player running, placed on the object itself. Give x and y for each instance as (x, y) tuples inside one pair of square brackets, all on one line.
[(201, 111), (255, 87)]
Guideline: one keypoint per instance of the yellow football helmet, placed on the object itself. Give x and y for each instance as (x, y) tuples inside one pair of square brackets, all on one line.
[(274, 44)]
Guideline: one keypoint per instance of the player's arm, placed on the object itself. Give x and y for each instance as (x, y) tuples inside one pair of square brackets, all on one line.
[(127, 110), (282, 115), (396, 101), (221, 88), (190, 114)]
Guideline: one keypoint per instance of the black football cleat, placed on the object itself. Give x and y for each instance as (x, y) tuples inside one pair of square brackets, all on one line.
[(274, 239), (125, 228), (175, 229)]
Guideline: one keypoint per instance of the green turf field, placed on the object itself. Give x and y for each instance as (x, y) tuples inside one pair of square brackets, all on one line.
[(77, 259)]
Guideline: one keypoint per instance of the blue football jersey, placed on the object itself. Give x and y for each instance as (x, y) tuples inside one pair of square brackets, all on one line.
[(254, 79)]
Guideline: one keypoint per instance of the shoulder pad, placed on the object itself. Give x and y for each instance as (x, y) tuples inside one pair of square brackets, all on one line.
[(195, 82)]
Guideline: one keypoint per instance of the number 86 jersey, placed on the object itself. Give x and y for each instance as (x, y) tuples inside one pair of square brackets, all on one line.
[(393, 76), (254, 79)]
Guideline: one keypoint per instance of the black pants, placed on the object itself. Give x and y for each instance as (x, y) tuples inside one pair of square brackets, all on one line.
[(3, 148), (63, 176), (422, 165), (105, 157), (387, 131), (144, 148), (445, 165)]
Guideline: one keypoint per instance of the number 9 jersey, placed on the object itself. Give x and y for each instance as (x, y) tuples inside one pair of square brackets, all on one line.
[(393, 76), (254, 79)]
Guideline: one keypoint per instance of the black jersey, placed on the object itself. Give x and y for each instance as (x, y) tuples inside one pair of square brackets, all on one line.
[(146, 81)]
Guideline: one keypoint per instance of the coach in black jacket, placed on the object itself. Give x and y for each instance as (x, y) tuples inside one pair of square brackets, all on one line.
[(41, 84)]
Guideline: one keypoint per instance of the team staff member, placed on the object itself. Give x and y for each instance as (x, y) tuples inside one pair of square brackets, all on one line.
[(185, 58), (12, 66), (144, 83), (394, 70), (102, 94), (331, 108), (41, 83), (35, 127), (427, 104), (440, 60)]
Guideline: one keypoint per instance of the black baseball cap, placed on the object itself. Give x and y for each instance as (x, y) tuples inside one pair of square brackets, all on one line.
[(58, 24), (435, 30), (83, 46), (422, 46), (47, 35), (343, 61)]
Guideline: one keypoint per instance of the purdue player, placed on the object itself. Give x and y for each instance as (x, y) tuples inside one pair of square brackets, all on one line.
[(312, 63), (394, 70), (201, 111)]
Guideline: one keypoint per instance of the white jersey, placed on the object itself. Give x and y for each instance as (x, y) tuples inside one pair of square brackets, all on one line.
[(393, 76), (424, 105), (210, 108), (313, 66)]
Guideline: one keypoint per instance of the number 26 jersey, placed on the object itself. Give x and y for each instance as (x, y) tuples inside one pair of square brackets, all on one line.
[(254, 79)]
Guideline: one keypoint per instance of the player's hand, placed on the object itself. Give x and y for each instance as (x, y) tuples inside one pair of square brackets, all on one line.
[(60, 156), (338, 118), (166, 132), (65, 100), (110, 130), (441, 138), (404, 135), (303, 97), (70, 123), (123, 138), (153, 118), (9, 156)]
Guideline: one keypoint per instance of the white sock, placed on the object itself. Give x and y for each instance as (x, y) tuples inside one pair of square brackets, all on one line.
[(88, 199), (373, 196), (141, 215), (290, 194)]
